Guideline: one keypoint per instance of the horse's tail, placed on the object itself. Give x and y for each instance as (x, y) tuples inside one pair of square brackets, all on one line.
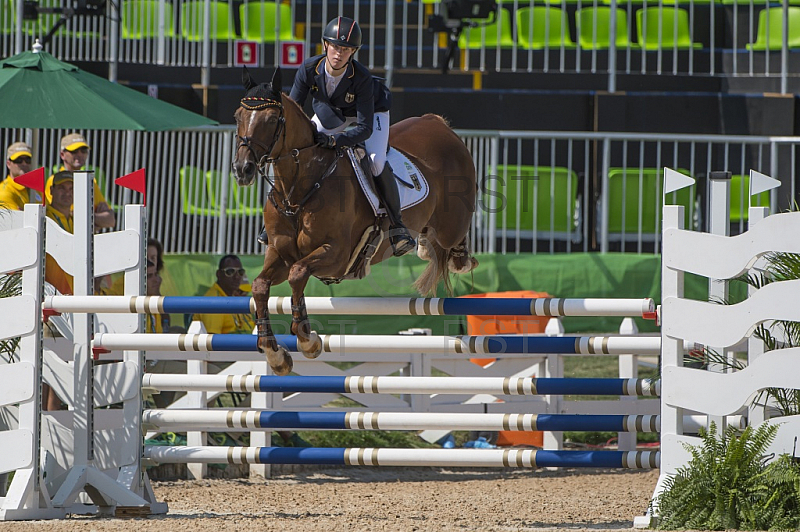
[(435, 271)]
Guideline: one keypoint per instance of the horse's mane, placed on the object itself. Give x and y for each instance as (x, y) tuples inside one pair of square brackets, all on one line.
[(265, 90)]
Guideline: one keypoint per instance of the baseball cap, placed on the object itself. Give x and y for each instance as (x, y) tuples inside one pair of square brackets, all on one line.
[(18, 149), (73, 141), (62, 176)]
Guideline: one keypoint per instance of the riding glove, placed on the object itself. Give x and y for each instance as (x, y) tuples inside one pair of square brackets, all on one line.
[(324, 141)]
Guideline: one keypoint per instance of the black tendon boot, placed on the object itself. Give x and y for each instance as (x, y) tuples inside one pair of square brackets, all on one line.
[(401, 240)]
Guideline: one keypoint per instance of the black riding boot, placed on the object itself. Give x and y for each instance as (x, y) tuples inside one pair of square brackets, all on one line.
[(401, 240)]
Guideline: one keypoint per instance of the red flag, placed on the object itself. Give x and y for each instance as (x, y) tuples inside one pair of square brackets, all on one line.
[(134, 181), (33, 179)]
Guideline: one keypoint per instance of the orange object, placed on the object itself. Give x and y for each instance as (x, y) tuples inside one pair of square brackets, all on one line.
[(509, 438), (490, 325)]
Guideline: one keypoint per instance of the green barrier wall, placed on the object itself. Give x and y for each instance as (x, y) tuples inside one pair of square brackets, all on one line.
[(617, 275)]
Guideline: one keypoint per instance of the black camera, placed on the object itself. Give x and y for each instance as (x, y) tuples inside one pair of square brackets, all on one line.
[(466, 9)]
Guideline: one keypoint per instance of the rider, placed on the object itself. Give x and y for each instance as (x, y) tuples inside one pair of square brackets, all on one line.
[(344, 93)]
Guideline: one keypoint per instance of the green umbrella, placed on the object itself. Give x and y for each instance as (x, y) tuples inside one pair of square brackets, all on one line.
[(39, 91)]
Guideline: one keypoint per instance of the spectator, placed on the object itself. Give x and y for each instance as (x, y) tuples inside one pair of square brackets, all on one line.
[(230, 275), (155, 323), (74, 152), (59, 209), (18, 161)]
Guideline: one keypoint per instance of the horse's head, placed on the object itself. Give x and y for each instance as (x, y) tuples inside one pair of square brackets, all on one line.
[(259, 124)]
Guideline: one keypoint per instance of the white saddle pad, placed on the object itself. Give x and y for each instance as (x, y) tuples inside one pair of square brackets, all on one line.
[(405, 170)]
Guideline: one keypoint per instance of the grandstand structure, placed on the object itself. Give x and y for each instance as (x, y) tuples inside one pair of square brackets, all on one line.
[(570, 107)]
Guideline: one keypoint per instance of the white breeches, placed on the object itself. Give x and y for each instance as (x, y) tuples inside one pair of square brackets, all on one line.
[(377, 145)]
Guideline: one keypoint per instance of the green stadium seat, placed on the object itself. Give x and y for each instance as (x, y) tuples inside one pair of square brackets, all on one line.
[(593, 26), (770, 29), (242, 201), (491, 35), (553, 194), (221, 26), (543, 27), (664, 28), (140, 19), (258, 22), (195, 198), (624, 186), (740, 189)]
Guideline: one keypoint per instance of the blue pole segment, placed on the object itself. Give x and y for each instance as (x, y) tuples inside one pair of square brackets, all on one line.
[(248, 342), (547, 386), (301, 455), (579, 458), (274, 383), (206, 305), (487, 307), (581, 422), (302, 420), (538, 345)]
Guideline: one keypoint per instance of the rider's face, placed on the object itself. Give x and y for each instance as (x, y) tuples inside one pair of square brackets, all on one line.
[(338, 56)]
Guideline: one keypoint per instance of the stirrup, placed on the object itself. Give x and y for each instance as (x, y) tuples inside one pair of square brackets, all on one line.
[(402, 242)]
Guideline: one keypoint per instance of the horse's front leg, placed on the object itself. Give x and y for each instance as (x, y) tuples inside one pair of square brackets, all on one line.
[(274, 272), (323, 257)]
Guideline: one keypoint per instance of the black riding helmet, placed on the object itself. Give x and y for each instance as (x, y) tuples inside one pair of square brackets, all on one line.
[(343, 31)]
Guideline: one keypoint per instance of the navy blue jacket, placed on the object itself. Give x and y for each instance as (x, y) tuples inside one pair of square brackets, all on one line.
[(358, 94)]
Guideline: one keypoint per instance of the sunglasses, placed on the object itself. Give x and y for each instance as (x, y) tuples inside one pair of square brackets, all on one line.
[(22, 160), (230, 272)]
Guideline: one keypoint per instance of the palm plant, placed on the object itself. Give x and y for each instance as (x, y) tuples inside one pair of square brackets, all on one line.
[(10, 286), (776, 335)]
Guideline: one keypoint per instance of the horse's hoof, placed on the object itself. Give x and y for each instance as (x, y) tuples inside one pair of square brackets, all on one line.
[(312, 347), (280, 361), (423, 252), (458, 265)]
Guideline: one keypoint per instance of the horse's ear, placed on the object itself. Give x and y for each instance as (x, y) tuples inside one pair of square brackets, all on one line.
[(247, 81), (277, 85)]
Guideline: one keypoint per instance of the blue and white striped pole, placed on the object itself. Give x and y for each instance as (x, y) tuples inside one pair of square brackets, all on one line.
[(414, 306), (401, 385), (243, 420), (473, 345), (404, 457)]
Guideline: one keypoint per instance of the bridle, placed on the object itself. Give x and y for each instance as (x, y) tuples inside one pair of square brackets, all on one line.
[(252, 103), (255, 103)]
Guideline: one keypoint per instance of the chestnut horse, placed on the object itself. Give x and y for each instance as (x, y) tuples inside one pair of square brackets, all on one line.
[(317, 213)]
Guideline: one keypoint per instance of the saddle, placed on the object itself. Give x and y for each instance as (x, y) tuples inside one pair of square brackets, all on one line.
[(413, 189)]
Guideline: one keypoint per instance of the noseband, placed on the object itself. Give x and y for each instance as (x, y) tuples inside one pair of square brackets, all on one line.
[(253, 103)]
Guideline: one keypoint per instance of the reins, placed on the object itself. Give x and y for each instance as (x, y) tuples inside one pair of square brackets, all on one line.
[(289, 210)]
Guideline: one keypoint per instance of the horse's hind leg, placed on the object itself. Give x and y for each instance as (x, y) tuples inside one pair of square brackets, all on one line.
[(274, 272), (424, 250), (460, 260)]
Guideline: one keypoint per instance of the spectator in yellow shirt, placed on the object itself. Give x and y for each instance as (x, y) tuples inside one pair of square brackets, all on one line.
[(74, 153), (13, 195), (230, 275), (60, 210)]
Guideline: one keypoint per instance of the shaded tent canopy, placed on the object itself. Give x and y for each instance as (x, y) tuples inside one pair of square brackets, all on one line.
[(39, 91)]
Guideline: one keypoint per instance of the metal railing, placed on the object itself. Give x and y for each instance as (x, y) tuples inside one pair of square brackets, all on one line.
[(729, 37), (540, 192)]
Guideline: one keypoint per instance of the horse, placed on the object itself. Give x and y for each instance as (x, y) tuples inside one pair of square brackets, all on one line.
[(316, 213)]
